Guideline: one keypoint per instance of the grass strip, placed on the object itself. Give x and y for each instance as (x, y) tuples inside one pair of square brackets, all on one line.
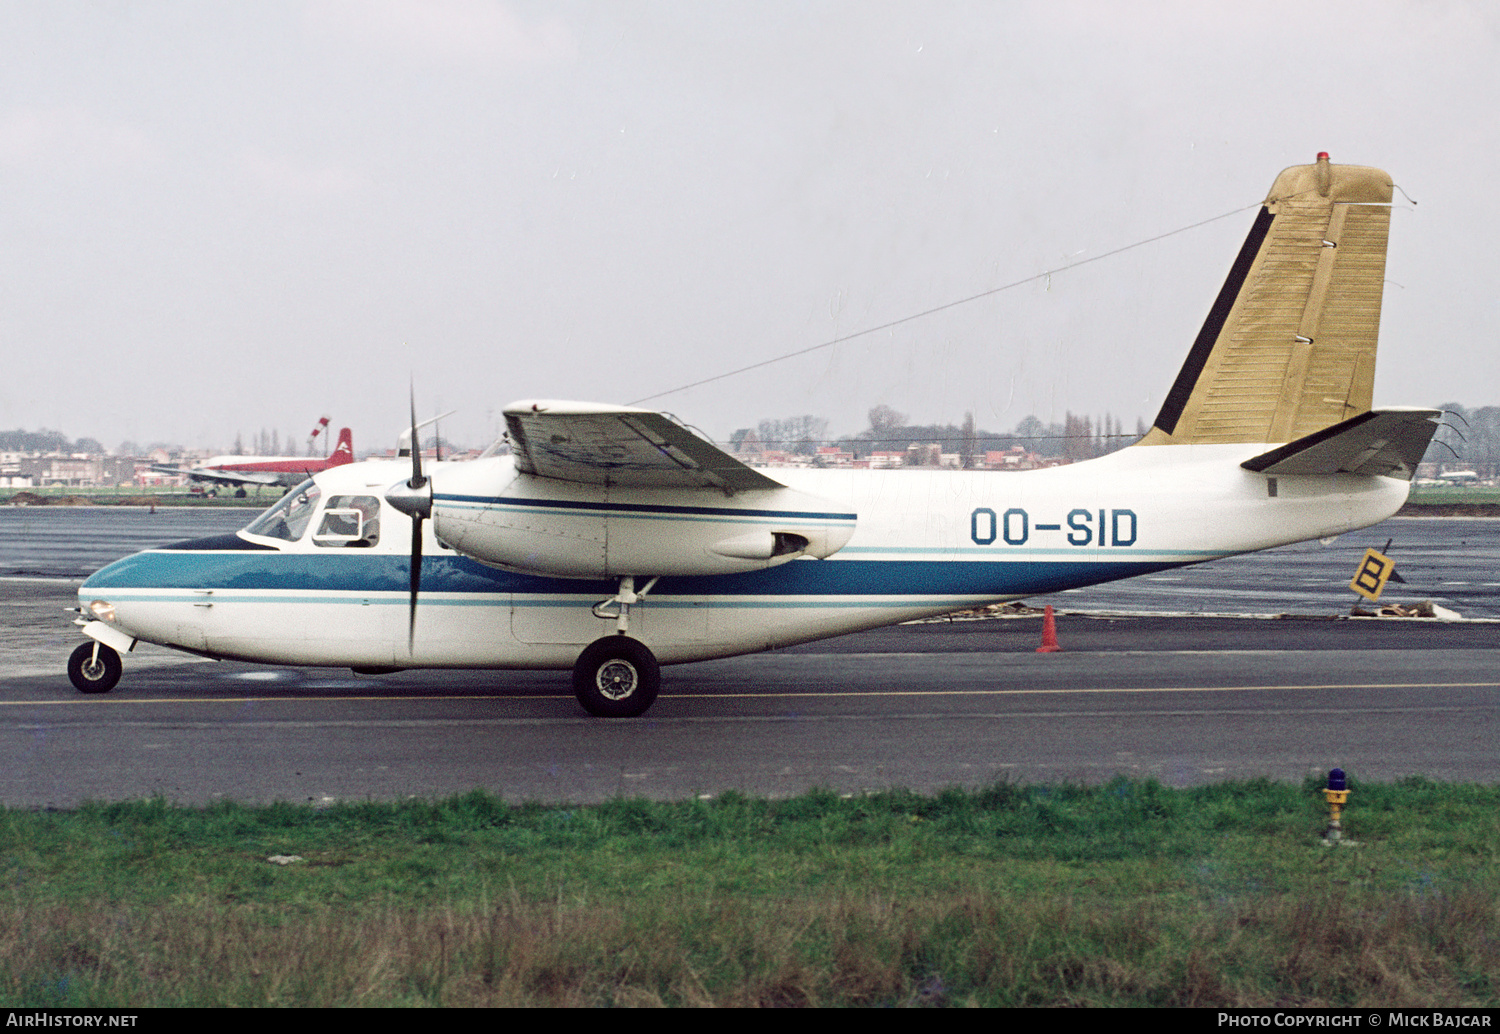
[(1129, 893)]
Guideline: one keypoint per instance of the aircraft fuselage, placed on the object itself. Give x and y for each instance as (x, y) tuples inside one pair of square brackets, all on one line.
[(923, 543)]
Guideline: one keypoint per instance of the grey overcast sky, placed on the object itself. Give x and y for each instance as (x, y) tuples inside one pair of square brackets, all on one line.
[(220, 217)]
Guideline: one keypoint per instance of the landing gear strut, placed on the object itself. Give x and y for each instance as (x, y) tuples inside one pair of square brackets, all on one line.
[(622, 601)]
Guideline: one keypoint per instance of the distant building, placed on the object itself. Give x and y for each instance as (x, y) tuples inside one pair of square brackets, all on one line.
[(832, 456), (924, 454), (1017, 457)]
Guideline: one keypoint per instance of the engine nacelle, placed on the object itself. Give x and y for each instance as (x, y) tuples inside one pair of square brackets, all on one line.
[(567, 530)]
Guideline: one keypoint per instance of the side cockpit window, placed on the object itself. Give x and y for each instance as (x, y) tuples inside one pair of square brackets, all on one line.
[(289, 517), (349, 521)]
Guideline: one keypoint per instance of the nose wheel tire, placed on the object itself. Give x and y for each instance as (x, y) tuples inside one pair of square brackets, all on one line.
[(94, 675), (616, 677)]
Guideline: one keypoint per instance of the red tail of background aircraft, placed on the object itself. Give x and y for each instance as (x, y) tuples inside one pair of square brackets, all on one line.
[(262, 471)]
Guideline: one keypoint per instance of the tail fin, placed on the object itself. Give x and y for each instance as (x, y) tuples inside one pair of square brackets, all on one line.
[(1289, 345), (343, 452)]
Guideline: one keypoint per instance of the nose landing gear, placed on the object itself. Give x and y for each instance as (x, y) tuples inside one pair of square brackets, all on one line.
[(94, 668)]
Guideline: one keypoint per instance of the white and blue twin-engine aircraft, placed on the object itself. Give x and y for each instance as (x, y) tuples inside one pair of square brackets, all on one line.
[(613, 539)]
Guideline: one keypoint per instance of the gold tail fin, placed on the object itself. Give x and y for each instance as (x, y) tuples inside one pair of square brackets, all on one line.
[(1289, 345)]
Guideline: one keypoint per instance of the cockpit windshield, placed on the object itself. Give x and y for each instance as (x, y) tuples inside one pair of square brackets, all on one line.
[(289, 517)]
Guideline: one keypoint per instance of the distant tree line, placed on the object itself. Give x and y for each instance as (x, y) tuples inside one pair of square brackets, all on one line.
[(46, 441), (265, 444), (1469, 438), (1076, 438), (795, 434)]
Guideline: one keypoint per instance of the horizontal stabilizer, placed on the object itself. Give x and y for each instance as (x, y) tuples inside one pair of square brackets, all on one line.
[(1386, 442), (619, 445)]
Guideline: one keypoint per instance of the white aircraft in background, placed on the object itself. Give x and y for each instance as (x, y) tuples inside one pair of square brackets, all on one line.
[(613, 540), (262, 471)]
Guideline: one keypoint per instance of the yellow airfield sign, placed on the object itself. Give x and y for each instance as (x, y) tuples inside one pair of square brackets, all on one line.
[(1374, 571)]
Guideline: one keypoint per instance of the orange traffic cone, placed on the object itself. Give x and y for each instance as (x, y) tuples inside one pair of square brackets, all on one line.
[(1049, 633)]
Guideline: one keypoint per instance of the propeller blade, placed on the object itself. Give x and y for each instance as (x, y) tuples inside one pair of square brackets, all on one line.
[(416, 582), (420, 508), (417, 480)]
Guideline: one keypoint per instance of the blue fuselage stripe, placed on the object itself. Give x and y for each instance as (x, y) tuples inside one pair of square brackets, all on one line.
[(344, 575)]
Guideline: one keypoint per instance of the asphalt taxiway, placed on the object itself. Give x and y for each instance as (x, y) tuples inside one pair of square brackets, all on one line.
[(1185, 700)]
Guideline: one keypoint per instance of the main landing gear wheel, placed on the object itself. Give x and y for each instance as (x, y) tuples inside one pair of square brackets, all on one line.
[(91, 675), (616, 677)]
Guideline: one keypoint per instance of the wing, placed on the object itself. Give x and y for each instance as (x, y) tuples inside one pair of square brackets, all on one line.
[(1389, 442), (216, 476), (619, 445)]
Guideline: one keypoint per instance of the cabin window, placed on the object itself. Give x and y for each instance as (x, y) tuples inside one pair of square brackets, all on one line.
[(289, 517), (349, 521)]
